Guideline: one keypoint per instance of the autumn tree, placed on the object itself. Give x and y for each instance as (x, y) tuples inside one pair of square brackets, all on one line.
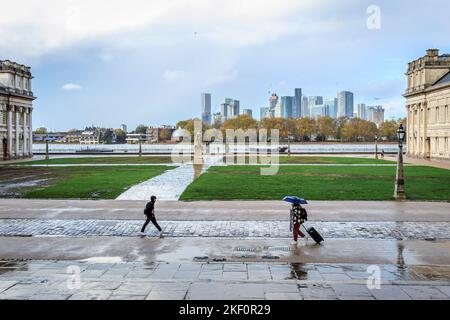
[(189, 125), (388, 130), (306, 128), (41, 130), (359, 130), (326, 127)]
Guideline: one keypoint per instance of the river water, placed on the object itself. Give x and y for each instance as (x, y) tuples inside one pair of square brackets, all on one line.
[(215, 148)]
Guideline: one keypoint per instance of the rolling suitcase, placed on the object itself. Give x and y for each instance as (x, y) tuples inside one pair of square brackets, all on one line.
[(314, 234)]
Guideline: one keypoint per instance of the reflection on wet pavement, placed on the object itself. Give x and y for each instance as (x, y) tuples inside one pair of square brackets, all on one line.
[(213, 280)]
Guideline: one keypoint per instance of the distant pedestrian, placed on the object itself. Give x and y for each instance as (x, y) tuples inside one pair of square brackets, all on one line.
[(298, 217), (382, 153), (149, 212)]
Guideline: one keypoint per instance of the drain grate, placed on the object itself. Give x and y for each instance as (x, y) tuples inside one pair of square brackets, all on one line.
[(245, 249), (281, 248)]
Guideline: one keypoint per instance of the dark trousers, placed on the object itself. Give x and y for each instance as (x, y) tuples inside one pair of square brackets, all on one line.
[(153, 220), (297, 231)]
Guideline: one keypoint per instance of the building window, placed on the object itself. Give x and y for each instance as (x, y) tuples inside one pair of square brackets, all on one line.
[(436, 117)]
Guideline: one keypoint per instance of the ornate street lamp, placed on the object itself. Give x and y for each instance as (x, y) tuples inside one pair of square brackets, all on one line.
[(399, 192)]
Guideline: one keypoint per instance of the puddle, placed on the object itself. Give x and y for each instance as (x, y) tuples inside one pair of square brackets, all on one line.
[(298, 271)]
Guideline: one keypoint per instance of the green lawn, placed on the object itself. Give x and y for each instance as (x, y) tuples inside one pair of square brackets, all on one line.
[(101, 160), (326, 160), (88, 182), (318, 183)]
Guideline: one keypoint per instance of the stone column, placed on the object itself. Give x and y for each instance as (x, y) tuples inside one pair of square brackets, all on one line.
[(17, 138), (9, 134), (25, 133), (30, 133)]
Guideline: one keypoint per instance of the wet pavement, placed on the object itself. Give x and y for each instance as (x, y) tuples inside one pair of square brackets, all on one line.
[(169, 185), (246, 254), (112, 280)]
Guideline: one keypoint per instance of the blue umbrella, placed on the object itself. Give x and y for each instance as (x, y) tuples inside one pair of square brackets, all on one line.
[(295, 200)]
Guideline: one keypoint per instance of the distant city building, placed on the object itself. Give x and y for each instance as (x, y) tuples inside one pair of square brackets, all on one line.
[(16, 100), (317, 111), (287, 106), (124, 128), (90, 137), (313, 102), (375, 114), (427, 104), (277, 111), (297, 110), (345, 104), (135, 138), (247, 112), (230, 109), (224, 111), (206, 108), (305, 107), (273, 101), (362, 111), (330, 107), (264, 112)]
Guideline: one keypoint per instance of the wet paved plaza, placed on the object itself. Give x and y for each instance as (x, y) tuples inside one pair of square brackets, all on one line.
[(201, 281), (224, 229), (92, 250)]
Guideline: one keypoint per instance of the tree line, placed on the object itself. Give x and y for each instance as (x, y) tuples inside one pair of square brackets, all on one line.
[(310, 129)]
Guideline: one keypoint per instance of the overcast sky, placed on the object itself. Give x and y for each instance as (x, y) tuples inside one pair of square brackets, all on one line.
[(107, 62)]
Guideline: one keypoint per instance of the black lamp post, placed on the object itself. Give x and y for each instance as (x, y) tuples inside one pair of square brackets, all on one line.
[(376, 146), (399, 193), (46, 147)]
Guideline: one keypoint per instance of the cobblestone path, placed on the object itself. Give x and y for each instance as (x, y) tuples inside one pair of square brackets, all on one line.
[(224, 229)]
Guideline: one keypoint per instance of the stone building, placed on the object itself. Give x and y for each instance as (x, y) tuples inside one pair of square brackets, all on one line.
[(427, 103), (16, 109)]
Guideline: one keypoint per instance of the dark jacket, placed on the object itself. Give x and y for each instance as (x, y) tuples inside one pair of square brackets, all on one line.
[(149, 210)]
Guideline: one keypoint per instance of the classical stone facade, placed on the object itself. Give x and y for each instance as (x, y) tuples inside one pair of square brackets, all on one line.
[(427, 103), (16, 109)]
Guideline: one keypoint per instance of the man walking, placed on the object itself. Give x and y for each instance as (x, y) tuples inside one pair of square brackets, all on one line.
[(149, 211)]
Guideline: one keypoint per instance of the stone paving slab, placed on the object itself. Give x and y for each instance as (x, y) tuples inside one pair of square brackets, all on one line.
[(295, 285), (224, 229)]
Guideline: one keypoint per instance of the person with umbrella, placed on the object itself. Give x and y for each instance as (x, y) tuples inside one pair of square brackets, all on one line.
[(298, 216)]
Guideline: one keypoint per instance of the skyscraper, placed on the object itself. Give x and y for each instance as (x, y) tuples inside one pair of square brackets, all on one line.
[(287, 106), (247, 112), (273, 101), (206, 108), (264, 112), (224, 111), (305, 107), (236, 108), (375, 114), (362, 111), (318, 110), (314, 101), (330, 107), (297, 111), (345, 104)]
